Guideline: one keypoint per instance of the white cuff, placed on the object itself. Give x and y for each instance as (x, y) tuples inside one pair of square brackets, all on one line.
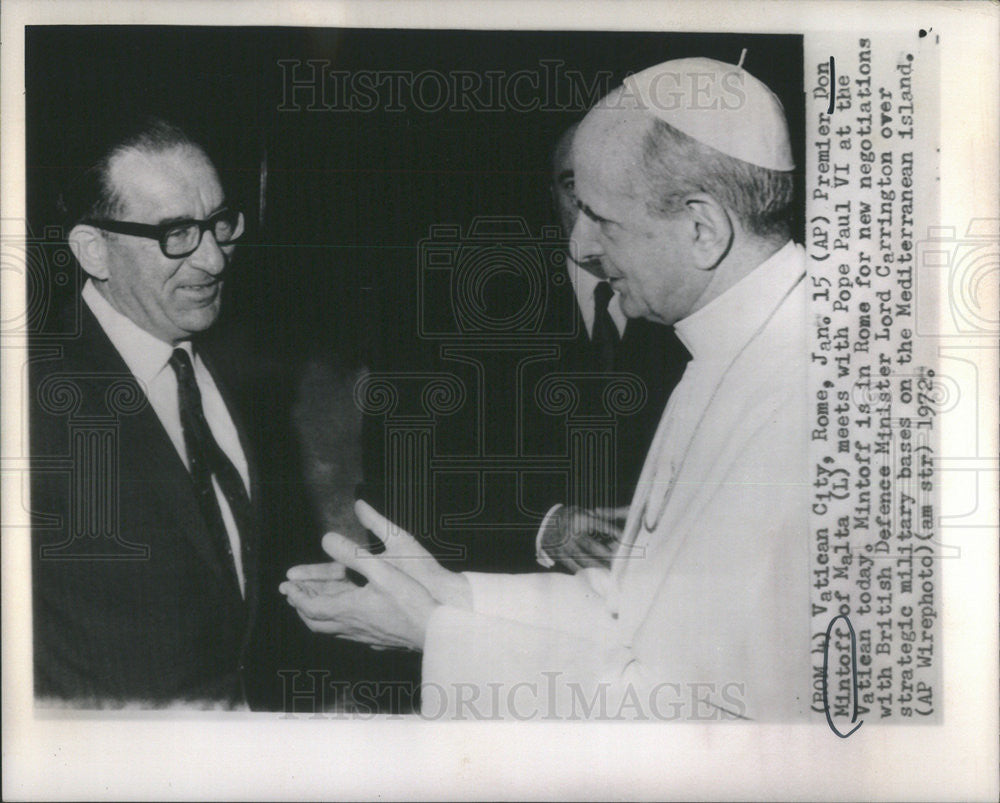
[(540, 556)]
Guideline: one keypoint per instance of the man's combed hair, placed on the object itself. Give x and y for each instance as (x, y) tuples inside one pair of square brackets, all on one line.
[(676, 165), (92, 196)]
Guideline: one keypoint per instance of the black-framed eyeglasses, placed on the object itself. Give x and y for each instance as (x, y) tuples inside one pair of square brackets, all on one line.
[(182, 238)]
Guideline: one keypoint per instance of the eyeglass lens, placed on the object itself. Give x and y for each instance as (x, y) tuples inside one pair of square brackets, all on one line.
[(182, 240)]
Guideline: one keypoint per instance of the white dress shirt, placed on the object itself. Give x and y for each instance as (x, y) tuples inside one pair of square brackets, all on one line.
[(584, 283), (148, 358)]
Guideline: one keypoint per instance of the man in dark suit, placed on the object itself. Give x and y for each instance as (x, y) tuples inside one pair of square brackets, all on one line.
[(510, 448), (609, 342), (145, 487), (625, 370)]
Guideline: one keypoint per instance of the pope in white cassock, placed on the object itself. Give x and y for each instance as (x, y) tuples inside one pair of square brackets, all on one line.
[(684, 184)]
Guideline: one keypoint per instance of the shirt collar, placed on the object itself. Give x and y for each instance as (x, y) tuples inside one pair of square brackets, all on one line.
[(583, 280), (720, 328), (145, 354), (584, 283)]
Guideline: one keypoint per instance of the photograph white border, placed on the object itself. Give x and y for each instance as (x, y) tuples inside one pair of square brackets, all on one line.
[(182, 755)]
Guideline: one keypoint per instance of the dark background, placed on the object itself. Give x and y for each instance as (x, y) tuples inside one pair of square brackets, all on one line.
[(326, 281)]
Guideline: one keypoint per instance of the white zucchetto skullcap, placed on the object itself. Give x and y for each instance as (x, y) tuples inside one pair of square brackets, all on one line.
[(720, 105)]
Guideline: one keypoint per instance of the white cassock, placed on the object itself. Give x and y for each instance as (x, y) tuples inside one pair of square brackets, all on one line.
[(705, 612)]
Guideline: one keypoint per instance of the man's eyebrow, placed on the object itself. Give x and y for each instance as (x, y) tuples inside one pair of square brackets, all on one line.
[(172, 221)]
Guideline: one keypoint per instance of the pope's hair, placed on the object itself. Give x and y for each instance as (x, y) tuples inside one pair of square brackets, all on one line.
[(675, 165)]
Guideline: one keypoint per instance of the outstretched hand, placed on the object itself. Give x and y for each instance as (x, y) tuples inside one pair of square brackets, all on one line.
[(404, 552), (405, 585)]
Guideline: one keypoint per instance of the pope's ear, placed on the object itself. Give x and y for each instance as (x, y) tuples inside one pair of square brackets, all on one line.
[(713, 229), (89, 246)]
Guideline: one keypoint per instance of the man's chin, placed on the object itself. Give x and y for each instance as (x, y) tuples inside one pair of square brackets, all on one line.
[(628, 308), (198, 320)]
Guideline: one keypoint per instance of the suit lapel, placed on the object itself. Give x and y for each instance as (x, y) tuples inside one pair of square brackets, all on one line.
[(168, 477), (578, 350)]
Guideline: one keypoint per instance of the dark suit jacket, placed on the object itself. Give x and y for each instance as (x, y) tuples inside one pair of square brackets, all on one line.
[(630, 401), (134, 598)]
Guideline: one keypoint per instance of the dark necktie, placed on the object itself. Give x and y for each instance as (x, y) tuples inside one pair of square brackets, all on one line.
[(206, 459), (605, 334)]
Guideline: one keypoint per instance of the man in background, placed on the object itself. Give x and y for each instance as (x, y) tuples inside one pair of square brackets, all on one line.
[(607, 343), (583, 341)]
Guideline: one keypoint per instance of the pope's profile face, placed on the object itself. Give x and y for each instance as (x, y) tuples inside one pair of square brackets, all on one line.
[(171, 299), (645, 255)]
